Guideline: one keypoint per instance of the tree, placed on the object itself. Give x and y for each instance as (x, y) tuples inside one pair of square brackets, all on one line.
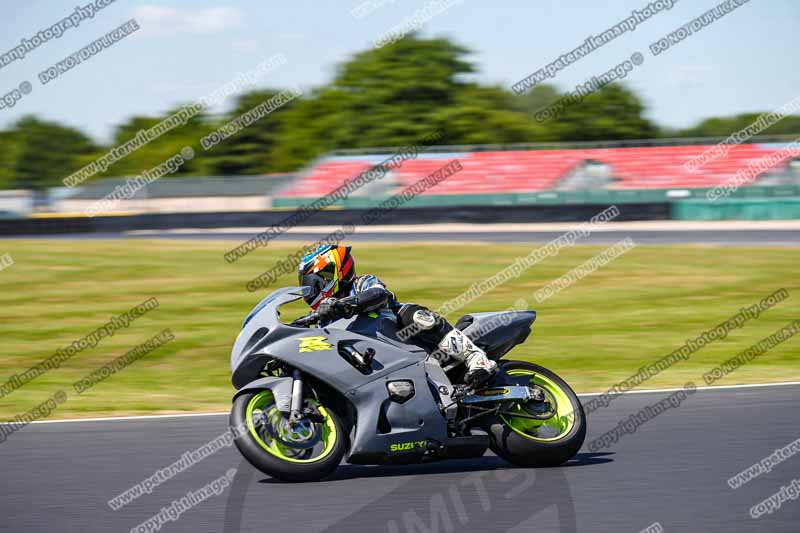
[(9, 148), (536, 99), (397, 94), (611, 113), (311, 128), (158, 150), (250, 151), (486, 115), (725, 126), (43, 153), (394, 92)]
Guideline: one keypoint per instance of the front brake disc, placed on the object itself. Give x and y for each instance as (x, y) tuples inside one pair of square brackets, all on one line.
[(304, 435)]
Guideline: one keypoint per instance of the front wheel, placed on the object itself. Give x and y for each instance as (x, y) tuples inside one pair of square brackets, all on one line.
[(307, 452), (545, 433)]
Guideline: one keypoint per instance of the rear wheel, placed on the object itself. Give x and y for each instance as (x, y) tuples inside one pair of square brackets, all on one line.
[(543, 433), (306, 452)]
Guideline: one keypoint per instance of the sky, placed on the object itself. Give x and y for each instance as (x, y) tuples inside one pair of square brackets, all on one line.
[(185, 49)]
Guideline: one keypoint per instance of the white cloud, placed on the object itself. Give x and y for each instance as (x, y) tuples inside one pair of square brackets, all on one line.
[(161, 19)]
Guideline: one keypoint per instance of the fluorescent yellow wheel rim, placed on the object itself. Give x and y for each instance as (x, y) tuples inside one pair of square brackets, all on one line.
[(262, 401), (550, 429)]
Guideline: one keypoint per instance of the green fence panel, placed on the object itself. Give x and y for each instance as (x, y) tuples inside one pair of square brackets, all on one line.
[(738, 209)]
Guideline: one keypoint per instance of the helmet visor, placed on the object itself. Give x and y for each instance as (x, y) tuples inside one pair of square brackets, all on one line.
[(320, 285), (315, 284)]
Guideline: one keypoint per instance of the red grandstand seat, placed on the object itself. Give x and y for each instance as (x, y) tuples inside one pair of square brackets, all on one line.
[(652, 167)]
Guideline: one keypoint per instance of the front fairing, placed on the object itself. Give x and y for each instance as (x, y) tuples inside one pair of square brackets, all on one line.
[(263, 324), (314, 350)]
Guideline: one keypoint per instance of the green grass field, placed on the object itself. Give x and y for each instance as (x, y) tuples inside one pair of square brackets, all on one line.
[(600, 330)]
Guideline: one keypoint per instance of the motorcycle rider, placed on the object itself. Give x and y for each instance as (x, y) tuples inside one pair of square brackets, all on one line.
[(330, 274)]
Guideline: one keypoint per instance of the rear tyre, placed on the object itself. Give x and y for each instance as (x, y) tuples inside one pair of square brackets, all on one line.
[(549, 441), (268, 443)]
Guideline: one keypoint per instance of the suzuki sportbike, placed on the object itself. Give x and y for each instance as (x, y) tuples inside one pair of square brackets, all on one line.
[(309, 397)]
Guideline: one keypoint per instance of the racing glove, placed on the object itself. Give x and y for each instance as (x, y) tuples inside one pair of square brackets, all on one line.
[(333, 308)]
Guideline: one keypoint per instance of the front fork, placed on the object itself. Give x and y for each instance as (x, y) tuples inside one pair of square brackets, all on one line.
[(296, 406)]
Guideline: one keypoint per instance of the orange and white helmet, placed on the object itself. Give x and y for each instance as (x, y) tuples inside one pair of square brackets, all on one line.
[(327, 271)]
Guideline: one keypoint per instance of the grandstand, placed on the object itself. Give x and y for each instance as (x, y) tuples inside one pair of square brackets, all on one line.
[(636, 172), (534, 170)]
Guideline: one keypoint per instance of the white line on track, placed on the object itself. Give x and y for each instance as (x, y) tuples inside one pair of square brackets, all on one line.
[(191, 415), (720, 387)]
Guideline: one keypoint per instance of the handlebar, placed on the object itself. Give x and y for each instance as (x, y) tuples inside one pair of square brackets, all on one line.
[(307, 320), (313, 317)]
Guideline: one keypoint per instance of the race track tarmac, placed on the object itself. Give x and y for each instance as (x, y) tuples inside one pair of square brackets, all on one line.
[(58, 477)]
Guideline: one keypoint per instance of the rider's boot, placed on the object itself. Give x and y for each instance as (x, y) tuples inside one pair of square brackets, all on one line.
[(458, 345)]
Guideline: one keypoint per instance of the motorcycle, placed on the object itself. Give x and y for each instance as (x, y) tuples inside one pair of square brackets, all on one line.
[(359, 390)]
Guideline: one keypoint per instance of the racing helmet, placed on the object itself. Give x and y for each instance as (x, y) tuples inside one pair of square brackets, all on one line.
[(327, 271)]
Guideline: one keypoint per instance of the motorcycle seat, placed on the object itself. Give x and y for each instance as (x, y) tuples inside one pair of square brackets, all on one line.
[(464, 322)]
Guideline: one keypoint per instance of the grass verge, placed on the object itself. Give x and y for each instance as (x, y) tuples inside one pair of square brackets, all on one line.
[(600, 330)]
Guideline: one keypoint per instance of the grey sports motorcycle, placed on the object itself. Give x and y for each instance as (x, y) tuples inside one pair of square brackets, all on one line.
[(308, 397)]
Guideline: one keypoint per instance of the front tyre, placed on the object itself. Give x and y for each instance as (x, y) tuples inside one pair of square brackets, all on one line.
[(308, 452), (558, 431)]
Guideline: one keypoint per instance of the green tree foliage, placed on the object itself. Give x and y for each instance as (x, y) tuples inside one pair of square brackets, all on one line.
[(611, 113), (486, 115), (160, 149), (251, 151), (36, 154), (537, 98), (394, 92), (724, 126), (313, 126), (9, 145)]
